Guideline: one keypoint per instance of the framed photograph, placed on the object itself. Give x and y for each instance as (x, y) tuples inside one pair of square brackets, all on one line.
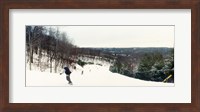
[(102, 55), (121, 55)]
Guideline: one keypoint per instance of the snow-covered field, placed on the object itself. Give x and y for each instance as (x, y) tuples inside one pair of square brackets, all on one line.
[(93, 75)]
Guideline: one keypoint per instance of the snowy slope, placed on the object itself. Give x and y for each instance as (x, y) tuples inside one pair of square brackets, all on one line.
[(94, 75)]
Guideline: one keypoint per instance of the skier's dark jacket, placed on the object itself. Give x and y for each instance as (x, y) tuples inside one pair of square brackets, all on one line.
[(67, 71)]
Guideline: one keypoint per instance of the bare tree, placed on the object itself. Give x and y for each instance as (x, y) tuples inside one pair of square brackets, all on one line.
[(29, 44), (52, 43), (51, 46), (57, 35), (33, 34)]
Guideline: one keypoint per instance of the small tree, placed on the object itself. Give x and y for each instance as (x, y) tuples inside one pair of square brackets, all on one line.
[(146, 63), (151, 60)]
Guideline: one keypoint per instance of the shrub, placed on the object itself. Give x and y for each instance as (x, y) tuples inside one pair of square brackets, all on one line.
[(81, 63)]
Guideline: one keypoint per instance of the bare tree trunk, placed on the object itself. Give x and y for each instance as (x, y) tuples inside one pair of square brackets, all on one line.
[(56, 52), (30, 51), (56, 66), (50, 63), (39, 58), (32, 54), (62, 61), (30, 57), (55, 63)]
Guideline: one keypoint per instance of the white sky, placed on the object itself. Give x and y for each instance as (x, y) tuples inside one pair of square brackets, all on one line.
[(120, 36)]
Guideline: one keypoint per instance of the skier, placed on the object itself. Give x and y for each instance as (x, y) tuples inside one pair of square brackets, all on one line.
[(67, 72)]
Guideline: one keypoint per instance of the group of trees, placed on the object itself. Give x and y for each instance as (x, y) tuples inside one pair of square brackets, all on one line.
[(151, 61), (123, 65), (56, 47), (92, 54), (156, 67), (151, 66), (50, 43)]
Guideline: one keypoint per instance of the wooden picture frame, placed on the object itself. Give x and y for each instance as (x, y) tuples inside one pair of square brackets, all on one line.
[(5, 106)]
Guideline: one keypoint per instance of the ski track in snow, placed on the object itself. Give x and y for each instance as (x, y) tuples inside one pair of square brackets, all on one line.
[(93, 75)]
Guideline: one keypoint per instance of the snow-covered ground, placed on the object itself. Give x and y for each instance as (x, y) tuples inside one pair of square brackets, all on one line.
[(93, 75)]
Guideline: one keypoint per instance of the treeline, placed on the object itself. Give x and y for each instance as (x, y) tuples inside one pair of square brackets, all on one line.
[(50, 43), (88, 52), (151, 66), (93, 53)]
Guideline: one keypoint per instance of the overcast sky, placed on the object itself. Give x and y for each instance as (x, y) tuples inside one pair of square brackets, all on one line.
[(120, 36)]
